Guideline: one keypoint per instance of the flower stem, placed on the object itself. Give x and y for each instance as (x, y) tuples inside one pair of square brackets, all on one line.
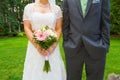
[(46, 65)]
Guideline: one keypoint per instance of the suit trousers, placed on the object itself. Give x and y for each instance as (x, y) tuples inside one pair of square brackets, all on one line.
[(94, 68)]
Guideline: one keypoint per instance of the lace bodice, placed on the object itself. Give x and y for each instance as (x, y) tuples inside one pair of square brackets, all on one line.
[(38, 19)]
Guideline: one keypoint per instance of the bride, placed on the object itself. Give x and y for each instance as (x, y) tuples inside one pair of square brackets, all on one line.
[(36, 15)]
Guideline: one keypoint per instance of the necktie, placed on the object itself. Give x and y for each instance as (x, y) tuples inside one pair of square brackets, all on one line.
[(84, 5)]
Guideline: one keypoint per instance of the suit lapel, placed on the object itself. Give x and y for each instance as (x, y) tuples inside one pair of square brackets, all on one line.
[(88, 6), (79, 7)]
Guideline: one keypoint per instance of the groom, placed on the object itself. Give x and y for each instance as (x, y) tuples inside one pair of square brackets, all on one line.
[(86, 33)]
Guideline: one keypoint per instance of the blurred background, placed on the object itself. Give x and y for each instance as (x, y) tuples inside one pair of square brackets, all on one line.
[(13, 42)]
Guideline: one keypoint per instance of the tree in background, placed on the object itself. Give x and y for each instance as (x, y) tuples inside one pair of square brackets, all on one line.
[(115, 17), (11, 12)]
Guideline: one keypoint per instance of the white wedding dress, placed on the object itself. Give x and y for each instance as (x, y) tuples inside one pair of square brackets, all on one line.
[(34, 62)]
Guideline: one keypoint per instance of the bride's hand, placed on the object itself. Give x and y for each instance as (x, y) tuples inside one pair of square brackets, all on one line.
[(42, 52), (52, 48)]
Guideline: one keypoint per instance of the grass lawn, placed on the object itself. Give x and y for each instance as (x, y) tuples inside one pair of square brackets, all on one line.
[(13, 51)]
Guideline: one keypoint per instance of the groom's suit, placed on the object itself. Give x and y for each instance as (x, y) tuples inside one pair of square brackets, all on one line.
[(86, 37)]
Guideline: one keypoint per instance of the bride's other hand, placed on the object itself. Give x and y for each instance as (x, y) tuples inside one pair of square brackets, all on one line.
[(42, 52), (52, 48)]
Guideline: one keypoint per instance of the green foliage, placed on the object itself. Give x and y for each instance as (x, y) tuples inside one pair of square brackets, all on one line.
[(21, 34), (12, 34), (59, 2), (11, 12), (46, 44), (115, 17)]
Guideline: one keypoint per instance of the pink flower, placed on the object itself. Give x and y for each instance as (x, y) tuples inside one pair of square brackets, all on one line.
[(47, 32), (40, 36)]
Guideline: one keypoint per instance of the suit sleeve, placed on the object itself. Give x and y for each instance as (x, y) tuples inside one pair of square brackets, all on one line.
[(66, 21), (105, 21)]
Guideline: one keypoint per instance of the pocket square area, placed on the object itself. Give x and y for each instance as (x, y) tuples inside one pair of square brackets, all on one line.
[(96, 1)]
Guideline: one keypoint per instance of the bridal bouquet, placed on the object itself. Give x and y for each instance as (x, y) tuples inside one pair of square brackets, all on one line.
[(45, 37)]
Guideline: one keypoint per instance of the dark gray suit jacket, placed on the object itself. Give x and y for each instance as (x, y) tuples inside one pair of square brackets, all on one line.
[(92, 30)]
